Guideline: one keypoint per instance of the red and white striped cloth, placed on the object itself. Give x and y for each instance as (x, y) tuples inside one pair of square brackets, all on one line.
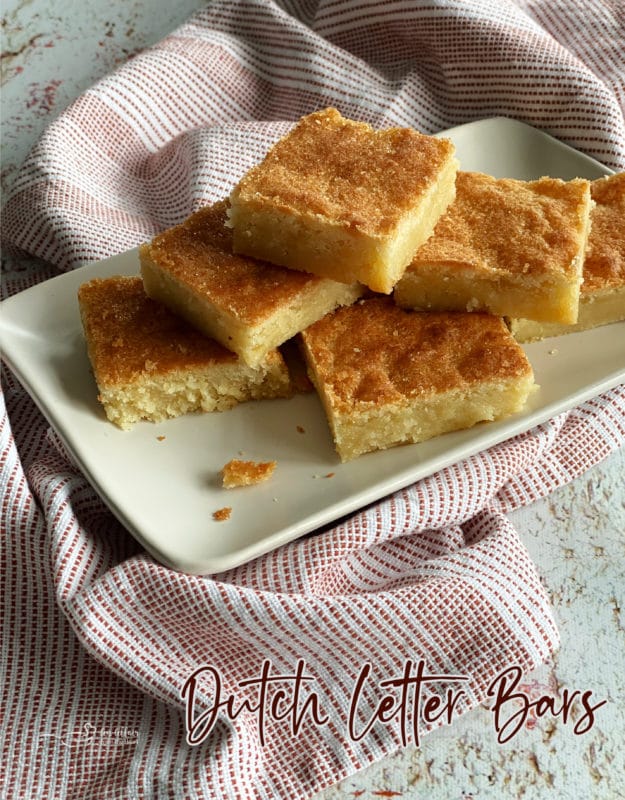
[(98, 639)]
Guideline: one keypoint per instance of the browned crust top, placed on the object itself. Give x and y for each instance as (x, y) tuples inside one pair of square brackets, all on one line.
[(604, 266), (198, 253), (511, 226), (347, 172), (374, 353), (130, 336)]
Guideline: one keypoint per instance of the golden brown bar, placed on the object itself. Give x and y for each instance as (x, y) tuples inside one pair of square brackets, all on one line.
[(602, 293), (149, 364), (249, 306), (339, 199), (388, 376), (509, 247)]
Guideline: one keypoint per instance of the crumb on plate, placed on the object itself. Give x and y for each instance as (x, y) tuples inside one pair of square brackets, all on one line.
[(222, 514), (246, 473)]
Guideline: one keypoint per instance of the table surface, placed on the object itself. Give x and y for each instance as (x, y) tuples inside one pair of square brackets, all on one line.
[(51, 52)]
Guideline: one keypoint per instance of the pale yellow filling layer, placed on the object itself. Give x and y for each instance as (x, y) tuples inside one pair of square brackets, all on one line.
[(596, 309), (378, 428), (183, 391), (438, 287)]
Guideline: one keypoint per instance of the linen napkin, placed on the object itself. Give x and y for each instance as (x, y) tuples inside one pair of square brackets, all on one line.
[(128, 679)]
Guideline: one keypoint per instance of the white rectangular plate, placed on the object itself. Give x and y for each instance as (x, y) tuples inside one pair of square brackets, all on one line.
[(165, 491)]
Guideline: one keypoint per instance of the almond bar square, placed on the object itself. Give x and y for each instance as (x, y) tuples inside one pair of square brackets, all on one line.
[(249, 306), (149, 364), (387, 376), (602, 294), (509, 247), (339, 199)]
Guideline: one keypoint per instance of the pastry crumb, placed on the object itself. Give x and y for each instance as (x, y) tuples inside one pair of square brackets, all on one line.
[(160, 438), (301, 429), (222, 514), (329, 475), (246, 473)]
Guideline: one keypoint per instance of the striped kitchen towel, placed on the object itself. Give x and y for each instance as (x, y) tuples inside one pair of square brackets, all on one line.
[(125, 679)]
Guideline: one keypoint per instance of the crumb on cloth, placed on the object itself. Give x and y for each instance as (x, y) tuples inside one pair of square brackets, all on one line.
[(246, 473)]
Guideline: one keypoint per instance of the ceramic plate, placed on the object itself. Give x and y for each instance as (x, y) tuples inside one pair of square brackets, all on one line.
[(165, 490)]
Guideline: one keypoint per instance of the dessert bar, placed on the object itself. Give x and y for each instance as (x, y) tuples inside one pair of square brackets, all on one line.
[(149, 364), (602, 293), (248, 306), (509, 247), (388, 376), (339, 199)]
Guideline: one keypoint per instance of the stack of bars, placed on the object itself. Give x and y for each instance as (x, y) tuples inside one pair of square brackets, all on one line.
[(406, 283)]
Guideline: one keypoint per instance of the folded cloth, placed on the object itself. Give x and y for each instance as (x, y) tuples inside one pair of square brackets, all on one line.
[(166, 133), (128, 679)]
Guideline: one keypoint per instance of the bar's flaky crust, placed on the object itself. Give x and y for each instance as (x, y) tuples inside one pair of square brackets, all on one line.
[(346, 172), (511, 226), (198, 253)]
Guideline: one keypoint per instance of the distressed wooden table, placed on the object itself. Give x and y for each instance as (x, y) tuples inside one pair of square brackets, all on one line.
[(51, 53)]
